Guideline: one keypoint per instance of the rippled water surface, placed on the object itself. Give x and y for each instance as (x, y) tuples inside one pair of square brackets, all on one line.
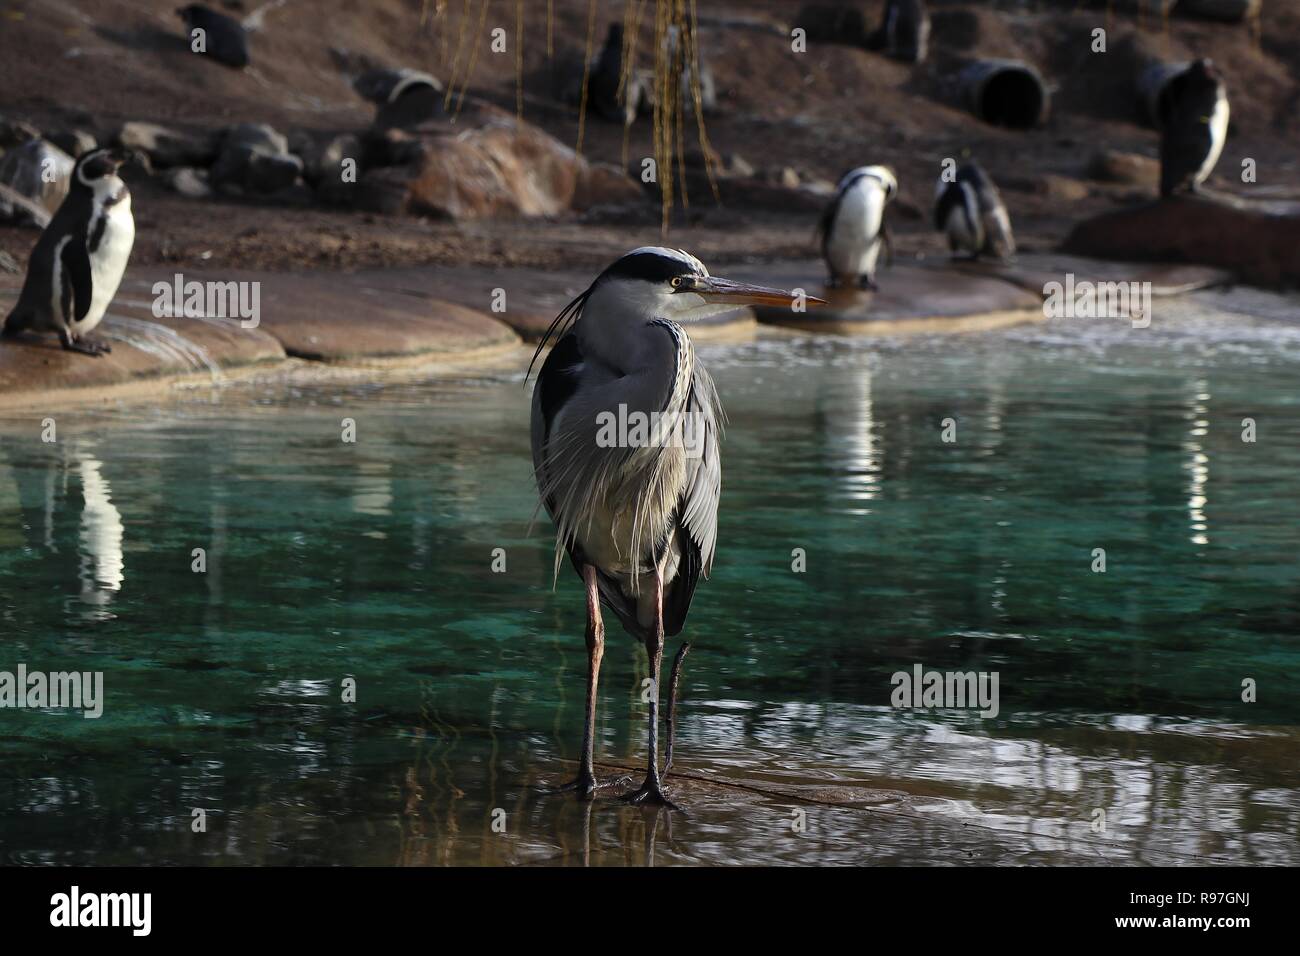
[(1121, 735)]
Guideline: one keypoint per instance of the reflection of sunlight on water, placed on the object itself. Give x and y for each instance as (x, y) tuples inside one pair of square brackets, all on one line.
[(372, 491), (1198, 463), (853, 447)]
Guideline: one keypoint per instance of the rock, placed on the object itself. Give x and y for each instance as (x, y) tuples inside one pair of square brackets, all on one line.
[(254, 158), (189, 181), (258, 136), (16, 132), (215, 34), (74, 142), (23, 169), (1226, 11), (1259, 245), (501, 169), (1059, 188), (602, 184), (333, 168), (385, 190), (167, 147), (1112, 166), (845, 23), (391, 147)]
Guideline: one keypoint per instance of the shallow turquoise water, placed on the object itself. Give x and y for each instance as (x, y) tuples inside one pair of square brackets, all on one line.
[(1119, 691)]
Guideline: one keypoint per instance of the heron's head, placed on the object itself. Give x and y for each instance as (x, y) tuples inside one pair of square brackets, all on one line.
[(656, 282), (96, 169)]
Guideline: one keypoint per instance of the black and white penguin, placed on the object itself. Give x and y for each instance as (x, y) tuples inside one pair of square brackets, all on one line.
[(853, 227), (1193, 127), (609, 102), (905, 30), (224, 38), (970, 210), (78, 262)]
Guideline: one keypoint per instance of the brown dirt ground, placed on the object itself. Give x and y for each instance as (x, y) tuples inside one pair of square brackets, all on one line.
[(95, 63)]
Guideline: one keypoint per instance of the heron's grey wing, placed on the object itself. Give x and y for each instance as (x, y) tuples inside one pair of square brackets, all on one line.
[(556, 383), (698, 509)]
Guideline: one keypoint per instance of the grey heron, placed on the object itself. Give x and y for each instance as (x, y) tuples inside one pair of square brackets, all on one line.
[(638, 516)]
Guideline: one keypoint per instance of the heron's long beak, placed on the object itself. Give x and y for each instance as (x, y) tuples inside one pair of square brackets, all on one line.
[(716, 289)]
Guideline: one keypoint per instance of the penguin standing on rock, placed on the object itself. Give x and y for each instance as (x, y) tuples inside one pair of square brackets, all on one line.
[(79, 260), (970, 210), (853, 227), (1193, 127)]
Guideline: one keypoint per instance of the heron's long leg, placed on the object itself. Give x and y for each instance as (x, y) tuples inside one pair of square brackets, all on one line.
[(586, 783), (652, 790), (671, 720), (595, 654)]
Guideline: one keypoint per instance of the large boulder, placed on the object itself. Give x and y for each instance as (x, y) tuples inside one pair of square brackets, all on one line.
[(504, 168), (165, 146), (36, 176), (254, 158), (1257, 242)]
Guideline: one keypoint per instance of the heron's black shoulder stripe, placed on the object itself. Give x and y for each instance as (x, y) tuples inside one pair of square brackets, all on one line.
[(558, 379)]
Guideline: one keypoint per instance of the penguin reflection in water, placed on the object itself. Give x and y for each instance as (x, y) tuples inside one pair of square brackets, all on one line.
[(79, 260), (969, 209), (853, 229)]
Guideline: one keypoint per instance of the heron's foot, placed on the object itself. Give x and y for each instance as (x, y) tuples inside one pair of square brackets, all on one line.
[(868, 284), (651, 794), (586, 785)]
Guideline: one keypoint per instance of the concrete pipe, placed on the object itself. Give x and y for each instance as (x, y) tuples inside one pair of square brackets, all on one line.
[(1005, 93), (1152, 83)]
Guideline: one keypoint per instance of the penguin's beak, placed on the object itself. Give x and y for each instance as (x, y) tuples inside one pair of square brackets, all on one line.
[(119, 156), (718, 289)]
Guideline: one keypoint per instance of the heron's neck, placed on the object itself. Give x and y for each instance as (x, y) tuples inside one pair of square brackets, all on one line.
[(614, 323)]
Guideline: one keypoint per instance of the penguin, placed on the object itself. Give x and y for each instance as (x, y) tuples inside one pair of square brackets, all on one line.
[(224, 38), (970, 210), (606, 77), (853, 227), (78, 262), (1193, 127), (905, 31)]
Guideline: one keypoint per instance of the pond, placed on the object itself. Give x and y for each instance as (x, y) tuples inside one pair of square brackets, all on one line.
[(886, 504)]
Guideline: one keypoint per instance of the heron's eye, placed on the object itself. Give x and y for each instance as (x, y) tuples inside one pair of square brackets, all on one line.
[(677, 282)]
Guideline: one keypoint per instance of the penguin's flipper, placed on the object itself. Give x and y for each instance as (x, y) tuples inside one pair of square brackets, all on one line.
[(887, 240), (77, 282)]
